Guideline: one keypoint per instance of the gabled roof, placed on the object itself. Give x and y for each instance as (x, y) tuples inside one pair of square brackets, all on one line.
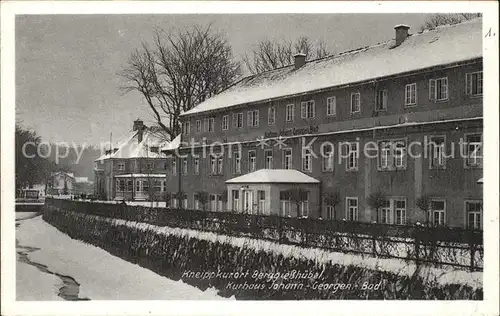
[(68, 174), (441, 46), (129, 146), (274, 176), (173, 145)]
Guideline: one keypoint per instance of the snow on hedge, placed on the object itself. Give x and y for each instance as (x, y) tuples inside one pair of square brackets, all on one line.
[(100, 274), (445, 275)]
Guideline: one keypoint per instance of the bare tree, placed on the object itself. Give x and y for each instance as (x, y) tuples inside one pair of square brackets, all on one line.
[(376, 201), (447, 19), (271, 55), (178, 71)]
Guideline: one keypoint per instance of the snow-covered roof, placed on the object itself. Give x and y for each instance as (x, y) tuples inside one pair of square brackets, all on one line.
[(480, 180), (81, 179), (274, 176), (441, 46), (69, 174), (130, 147), (141, 175), (173, 145)]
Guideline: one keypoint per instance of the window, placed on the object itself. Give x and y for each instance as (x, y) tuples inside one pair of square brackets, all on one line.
[(198, 126), (236, 200), (287, 159), (306, 160), (307, 109), (150, 165), (269, 159), (385, 213), (220, 165), (196, 202), (327, 158), (186, 126), (355, 102), (381, 100), (163, 185), (438, 89), (474, 211), (411, 94), (474, 150), (474, 83), (251, 160), (271, 115), (211, 124), (120, 185), (437, 152), (253, 118), (225, 123), (352, 157), (213, 165), (352, 208), (215, 202), (237, 120), (400, 212), (184, 166), (237, 163), (121, 165), (285, 206), (290, 109), (261, 196), (330, 212), (174, 167), (196, 163), (331, 106), (304, 208), (392, 155), (437, 212)]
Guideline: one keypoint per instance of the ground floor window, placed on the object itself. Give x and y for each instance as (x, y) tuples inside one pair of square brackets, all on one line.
[(196, 202), (236, 200), (262, 201), (437, 212), (216, 203), (385, 213), (393, 211), (285, 208), (352, 208), (400, 212), (304, 209), (474, 211), (330, 212)]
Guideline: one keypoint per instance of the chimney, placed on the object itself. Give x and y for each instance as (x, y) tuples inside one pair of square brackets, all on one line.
[(401, 33), (139, 126), (300, 60)]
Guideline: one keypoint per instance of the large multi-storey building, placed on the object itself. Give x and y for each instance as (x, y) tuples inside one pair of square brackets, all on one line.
[(135, 169), (401, 118)]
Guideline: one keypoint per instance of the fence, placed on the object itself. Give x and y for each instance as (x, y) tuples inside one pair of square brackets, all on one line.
[(456, 247)]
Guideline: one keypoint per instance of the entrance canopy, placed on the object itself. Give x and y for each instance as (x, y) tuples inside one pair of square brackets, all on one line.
[(274, 176)]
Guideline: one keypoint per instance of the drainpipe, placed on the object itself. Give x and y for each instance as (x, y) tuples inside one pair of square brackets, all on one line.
[(320, 191)]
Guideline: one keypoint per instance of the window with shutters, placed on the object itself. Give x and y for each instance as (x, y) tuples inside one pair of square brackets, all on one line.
[(253, 118), (211, 124), (237, 120), (381, 100), (411, 94), (198, 126), (307, 109), (290, 110), (474, 83), (438, 89), (474, 150), (271, 115), (437, 151), (225, 123), (331, 106), (355, 102)]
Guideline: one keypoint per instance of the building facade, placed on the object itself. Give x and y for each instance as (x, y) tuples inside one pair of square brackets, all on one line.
[(401, 118), (135, 169)]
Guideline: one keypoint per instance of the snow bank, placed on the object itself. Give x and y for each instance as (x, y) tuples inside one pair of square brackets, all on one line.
[(34, 285), (101, 276)]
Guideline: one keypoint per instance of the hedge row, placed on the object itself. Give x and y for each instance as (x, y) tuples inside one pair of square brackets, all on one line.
[(173, 256)]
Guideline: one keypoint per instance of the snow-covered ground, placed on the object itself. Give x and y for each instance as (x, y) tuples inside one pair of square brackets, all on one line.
[(101, 276)]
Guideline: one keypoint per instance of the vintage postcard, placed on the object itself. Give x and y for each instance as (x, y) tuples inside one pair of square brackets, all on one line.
[(249, 158)]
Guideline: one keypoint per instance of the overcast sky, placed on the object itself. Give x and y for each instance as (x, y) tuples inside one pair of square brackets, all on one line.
[(66, 83)]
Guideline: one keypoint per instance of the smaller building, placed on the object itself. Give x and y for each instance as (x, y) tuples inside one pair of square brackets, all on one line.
[(60, 183)]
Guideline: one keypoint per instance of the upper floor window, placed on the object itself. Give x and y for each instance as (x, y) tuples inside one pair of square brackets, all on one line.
[(198, 126), (225, 123), (251, 161), (150, 165), (352, 156), (474, 83), (331, 106), (174, 166), (237, 120), (196, 163), (289, 115), (186, 126), (438, 89), (237, 163), (327, 155), (355, 102), (271, 115), (381, 101), (184, 166), (209, 124), (121, 165), (437, 152), (287, 159), (269, 159), (411, 94), (213, 165), (307, 109), (253, 118), (220, 165), (306, 160), (392, 155), (474, 150)]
